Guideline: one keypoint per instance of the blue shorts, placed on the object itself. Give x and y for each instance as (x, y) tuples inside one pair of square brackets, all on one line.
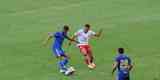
[(58, 51), (123, 77)]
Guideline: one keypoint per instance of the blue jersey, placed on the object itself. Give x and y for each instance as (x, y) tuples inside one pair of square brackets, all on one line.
[(123, 63), (59, 39)]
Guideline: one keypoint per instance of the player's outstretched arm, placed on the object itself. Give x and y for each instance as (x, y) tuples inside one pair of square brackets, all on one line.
[(130, 67), (114, 67), (72, 39), (47, 39), (99, 33)]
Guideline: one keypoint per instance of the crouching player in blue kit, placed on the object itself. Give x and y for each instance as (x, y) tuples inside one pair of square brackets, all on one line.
[(58, 51), (123, 64)]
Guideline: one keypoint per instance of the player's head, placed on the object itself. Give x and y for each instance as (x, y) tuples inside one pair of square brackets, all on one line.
[(66, 28), (86, 28), (120, 50)]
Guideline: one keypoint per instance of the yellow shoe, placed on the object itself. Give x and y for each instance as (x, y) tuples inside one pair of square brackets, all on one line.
[(90, 66), (94, 65)]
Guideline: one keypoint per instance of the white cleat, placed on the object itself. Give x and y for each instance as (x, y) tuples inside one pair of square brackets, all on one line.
[(93, 64), (70, 71), (62, 71), (90, 67)]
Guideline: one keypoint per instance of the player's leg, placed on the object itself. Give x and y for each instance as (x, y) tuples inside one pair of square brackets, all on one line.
[(89, 53), (92, 61), (61, 62), (84, 52), (69, 70), (64, 60), (86, 59), (61, 65)]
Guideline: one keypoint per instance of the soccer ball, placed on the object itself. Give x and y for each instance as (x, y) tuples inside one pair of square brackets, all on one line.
[(70, 71)]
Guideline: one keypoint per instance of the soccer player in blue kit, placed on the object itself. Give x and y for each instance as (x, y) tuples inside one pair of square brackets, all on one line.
[(123, 64), (59, 38)]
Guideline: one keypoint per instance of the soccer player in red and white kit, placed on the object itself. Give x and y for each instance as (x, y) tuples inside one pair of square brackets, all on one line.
[(83, 35)]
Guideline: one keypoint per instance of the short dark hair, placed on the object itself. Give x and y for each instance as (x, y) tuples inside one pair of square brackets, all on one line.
[(87, 25), (121, 50), (66, 27)]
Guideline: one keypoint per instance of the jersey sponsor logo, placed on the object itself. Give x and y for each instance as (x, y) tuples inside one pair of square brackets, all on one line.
[(124, 65)]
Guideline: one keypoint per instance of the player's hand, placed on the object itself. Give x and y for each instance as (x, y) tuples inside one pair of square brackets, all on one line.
[(75, 41)]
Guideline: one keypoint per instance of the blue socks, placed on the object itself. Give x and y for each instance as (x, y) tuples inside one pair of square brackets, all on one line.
[(65, 61), (62, 64)]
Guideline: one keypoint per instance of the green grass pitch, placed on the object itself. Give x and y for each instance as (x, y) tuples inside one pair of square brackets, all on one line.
[(132, 24)]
